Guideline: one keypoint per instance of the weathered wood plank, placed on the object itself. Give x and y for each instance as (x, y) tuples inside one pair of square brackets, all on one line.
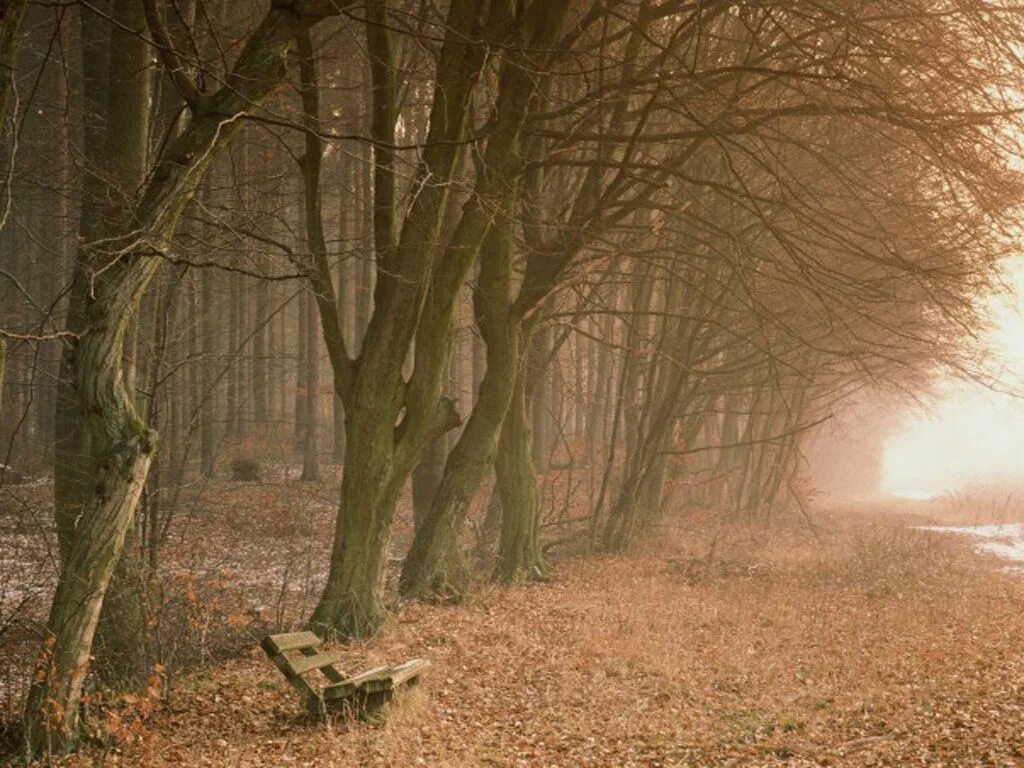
[(290, 641), (393, 677), (308, 693), (330, 673), (304, 664), (345, 689), (378, 680), (408, 671)]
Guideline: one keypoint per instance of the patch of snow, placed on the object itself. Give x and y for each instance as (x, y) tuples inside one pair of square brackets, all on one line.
[(1003, 541)]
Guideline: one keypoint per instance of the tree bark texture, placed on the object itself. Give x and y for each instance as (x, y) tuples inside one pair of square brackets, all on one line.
[(434, 566), (395, 420), (519, 553), (120, 445)]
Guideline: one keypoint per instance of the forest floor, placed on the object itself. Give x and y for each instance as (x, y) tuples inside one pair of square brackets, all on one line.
[(859, 642)]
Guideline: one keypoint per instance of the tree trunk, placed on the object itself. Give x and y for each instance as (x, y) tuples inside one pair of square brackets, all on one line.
[(346, 284), (110, 279), (233, 413), (543, 393), (121, 629), (426, 479), (3, 368), (208, 366), (310, 444), (122, 651), (12, 13), (122, 448), (120, 648), (519, 552), (434, 565), (260, 378), (70, 470), (381, 455), (301, 369)]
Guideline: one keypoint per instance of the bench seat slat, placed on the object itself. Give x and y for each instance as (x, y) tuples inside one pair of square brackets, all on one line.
[(290, 641), (304, 664), (351, 685), (376, 680), (408, 670)]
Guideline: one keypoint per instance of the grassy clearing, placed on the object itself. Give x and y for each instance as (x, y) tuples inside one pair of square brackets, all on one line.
[(865, 644)]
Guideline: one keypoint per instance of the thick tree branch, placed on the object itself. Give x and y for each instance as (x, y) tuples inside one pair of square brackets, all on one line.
[(186, 88)]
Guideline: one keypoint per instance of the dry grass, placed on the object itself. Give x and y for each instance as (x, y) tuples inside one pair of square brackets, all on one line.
[(868, 644)]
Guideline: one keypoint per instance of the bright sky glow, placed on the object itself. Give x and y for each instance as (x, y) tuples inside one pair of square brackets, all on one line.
[(969, 434)]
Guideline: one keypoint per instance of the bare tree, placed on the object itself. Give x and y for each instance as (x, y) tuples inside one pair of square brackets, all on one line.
[(112, 272)]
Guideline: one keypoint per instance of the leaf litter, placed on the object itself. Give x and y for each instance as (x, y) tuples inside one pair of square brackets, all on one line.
[(867, 644)]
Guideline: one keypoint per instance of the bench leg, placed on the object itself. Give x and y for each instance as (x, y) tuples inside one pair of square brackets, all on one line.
[(372, 702)]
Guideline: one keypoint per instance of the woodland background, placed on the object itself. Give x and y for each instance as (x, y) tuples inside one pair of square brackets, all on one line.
[(499, 281)]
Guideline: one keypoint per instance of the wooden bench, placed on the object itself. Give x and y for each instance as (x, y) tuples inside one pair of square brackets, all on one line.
[(299, 656)]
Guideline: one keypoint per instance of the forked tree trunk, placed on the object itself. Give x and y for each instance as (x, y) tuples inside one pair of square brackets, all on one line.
[(380, 455), (434, 565)]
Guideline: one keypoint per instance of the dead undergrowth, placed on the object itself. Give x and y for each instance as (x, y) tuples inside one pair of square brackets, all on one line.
[(861, 643)]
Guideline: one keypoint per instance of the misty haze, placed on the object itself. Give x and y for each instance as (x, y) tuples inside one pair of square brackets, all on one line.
[(511, 383)]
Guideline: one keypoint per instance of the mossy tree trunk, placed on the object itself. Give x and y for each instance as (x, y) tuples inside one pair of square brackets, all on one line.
[(120, 451), (415, 296), (434, 565), (519, 551), (120, 445), (120, 648)]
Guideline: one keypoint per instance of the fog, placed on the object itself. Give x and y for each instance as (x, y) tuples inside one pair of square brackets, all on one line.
[(969, 433)]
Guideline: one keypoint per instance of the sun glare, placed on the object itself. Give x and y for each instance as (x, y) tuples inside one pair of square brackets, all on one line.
[(970, 434)]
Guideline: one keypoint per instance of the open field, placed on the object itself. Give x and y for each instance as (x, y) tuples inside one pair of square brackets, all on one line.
[(860, 642)]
